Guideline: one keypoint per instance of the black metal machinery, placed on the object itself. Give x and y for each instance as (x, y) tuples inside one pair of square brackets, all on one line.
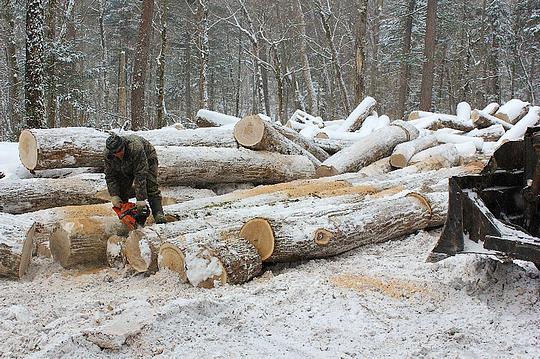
[(498, 207)]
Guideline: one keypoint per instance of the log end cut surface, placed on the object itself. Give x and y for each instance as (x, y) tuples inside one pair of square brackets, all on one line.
[(258, 232), (322, 237), (172, 258), (60, 245), (249, 131), (326, 171), (133, 252), (28, 149), (398, 160)]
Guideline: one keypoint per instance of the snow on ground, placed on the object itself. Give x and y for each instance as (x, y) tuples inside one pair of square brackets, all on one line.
[(10, 165), (378, 301)]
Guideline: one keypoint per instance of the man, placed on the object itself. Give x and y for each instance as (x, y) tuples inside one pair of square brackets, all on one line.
[(131, 171)]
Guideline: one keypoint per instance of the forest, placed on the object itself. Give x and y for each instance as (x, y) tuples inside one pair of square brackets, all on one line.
[(144, 64)]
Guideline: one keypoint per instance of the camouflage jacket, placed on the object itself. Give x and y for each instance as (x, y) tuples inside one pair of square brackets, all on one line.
[(138, 157)]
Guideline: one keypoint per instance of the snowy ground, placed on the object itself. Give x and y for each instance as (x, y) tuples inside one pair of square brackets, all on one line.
[(377, 301)]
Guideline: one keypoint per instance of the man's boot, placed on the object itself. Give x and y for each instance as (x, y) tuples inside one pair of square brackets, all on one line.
[(157, 210)]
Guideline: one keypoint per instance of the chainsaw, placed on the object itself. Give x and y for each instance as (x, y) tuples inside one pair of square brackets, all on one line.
[(131, 216)]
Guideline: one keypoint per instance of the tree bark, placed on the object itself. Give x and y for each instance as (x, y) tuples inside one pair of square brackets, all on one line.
[(51, 64), (202, 29), (430, 42), (122, 88), (306, 69), (376, 146), (405, 151), (161, 109), (15, 245), (140, 62), (360, 47), (34, 95)]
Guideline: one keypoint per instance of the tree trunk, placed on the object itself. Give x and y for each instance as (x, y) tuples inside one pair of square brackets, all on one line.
[(405, 67), (34, 102), (360, 47), (15, 245), (83, 147), (161, 109), (429, 54), (257, 134), (306, 69), (83, 241), (187, 74), (376, 146), (122, 88), (202, 29), (42, 193), (405, 151), (140, 62), (51, 64)]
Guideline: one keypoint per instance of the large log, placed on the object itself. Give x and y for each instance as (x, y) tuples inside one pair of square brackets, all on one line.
[(83, 241), (440, 121), (328, 231), (205, 165), (405, 151), (519, 129), (207, 118), (354, 121), (513, 111), (491, 133), (483, 119), (83, 147), (452, 138), (450, 154), (34, 194), (257, 134), (373, 123), (15, 245), (376, 146)]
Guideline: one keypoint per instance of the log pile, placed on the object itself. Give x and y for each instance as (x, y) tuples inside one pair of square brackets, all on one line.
[(326, 187)]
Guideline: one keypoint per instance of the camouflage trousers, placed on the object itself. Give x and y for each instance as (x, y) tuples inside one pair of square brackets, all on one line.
[(152, 186)]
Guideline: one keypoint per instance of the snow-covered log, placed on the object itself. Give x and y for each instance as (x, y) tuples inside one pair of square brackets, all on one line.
[(439, 121), (463, 112), (207, 118), (416, 115), (405, 151), (303, 142), (234, 261), (339, 135), (27, 195), (332, 146), (379, 144), (519, 129), (354, 121), (491, 133), (309, 132), (482, 119), (449, 154), (83, 241), (204, 165), (16, 243), (257, 134), (70, 147), (513, 111), (451, 138), (379, 167), (328, 231), (491, 108), (373, 123)]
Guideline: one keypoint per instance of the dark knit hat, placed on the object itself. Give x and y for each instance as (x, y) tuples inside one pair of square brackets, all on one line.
[(114, 143)]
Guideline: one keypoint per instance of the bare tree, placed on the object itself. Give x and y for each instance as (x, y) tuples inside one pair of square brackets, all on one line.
[(430, 41), (306, 68), (139, 67), (405, 67), (360, 47), (161, 109), (202, 18), (34, 94)]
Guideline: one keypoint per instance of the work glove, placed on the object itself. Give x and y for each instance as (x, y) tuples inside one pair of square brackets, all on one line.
[(116, 201), (141, 205)]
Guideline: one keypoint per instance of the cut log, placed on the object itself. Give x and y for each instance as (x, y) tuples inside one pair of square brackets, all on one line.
[(303, 142), (83, 147), (16, 244), (451, 138), (405, 151), (518, 131), (339, 135), (463, 112), (513, 111), (171, 257), (115, 252), (205, 165), (84, 241), (234, 261), (207, 118), (335, 230), (141, 249), (450, 154), (257, 134), (357, 117), (491, 108), (378, 145), (42, 193), (379, 167), (373, 123), (332, 146), (482, 119), (437, 122), (491, 133)]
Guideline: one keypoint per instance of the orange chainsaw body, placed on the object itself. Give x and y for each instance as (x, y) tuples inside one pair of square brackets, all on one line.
[(131, 216)]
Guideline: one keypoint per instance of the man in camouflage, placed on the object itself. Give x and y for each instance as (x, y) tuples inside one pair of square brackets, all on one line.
[(131, 165)]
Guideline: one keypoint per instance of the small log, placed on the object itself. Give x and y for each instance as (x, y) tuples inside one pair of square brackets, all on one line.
[(491, 133), (451, 138), (207, 118), (16, 245), (332, 146), (463, 112), (482, 119), (357, 117), (403, 152), (234, 261), (373, 123), (438, 121), (518, 131), (449, 153), (513, 111), (115, 252), (257, 134), (491, 108), (205, 165), (303, 142), (84, 241), (379, 167), (171, 257), (376, 146)]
